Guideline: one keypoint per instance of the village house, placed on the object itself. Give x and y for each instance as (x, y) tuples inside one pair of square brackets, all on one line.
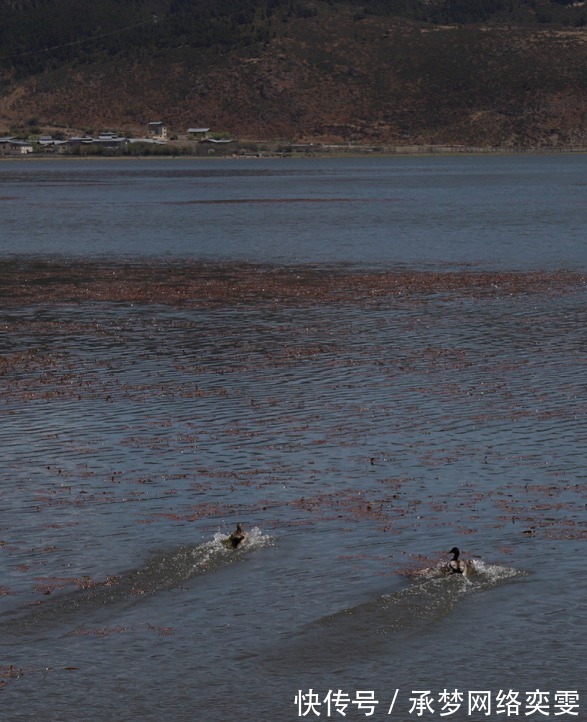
[(48, 144), (110, 140), (12, 146), (105, 140), (158, 129), (198, 133)]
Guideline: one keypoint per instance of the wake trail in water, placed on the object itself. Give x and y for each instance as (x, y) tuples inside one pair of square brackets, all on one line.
[(366, 628), (431, 596), (163, 572)]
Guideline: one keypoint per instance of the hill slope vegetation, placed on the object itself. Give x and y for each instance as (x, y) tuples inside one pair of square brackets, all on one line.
[(473, 72)]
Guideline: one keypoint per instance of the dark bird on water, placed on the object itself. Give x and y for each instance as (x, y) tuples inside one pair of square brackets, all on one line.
[(456, 565)]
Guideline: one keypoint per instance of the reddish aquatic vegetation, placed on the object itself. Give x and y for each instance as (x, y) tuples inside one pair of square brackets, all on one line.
[(189, 282), (196, 512), (48, 585), (350, 505), (569, 531), (37, 374), (417, 562), (505, 550), (60, 525), (103, 632), (99, 632), (9, 672), (162, 631)]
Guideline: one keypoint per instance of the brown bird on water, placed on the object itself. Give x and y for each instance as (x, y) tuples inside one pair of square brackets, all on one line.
[(238, 536)]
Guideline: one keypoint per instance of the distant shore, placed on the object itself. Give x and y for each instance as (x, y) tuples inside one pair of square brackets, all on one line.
[(279, 149)]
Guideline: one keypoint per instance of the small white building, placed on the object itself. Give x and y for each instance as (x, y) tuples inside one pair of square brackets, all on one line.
[(11, 146), (157, 128), (198, 133)]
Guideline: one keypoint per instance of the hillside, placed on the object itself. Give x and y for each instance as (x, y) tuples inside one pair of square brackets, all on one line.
[(473, 72)]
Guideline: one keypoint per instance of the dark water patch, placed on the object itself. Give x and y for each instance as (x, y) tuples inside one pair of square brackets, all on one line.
[(73, 173), (261, 201)]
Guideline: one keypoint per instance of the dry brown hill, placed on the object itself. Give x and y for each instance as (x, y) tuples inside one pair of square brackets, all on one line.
[(329, 74)]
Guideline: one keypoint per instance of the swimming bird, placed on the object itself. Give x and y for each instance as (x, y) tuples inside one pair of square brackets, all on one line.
[(456, 565), (238, 536)]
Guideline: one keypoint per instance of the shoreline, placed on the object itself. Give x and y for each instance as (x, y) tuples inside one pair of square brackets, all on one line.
[(276, 149)]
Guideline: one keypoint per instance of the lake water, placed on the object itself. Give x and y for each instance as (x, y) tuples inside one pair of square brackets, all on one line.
[(365, 362)]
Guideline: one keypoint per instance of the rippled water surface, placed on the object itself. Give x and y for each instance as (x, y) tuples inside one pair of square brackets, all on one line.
[(512, 212), (366, 363)]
